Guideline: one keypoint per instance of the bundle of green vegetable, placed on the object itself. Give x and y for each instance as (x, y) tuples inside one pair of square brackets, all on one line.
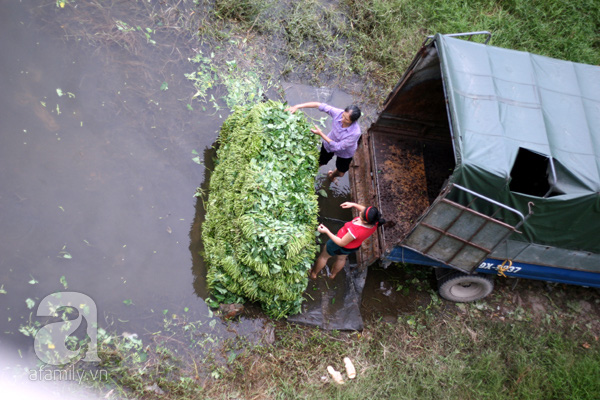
[(261, 213)]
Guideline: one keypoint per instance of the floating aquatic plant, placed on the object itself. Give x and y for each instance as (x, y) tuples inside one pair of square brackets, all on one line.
[(241, 86), (261, 213)]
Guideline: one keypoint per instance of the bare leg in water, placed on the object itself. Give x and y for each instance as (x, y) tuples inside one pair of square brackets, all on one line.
[(333, 175), (338, 264), (320, 263)]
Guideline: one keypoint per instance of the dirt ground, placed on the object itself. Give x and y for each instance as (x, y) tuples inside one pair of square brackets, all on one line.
[(400, 291)]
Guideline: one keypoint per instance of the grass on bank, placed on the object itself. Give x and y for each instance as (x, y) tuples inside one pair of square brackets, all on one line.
[(375, 40), (440, 351), (437, 355), (567, 30), (497, 348)]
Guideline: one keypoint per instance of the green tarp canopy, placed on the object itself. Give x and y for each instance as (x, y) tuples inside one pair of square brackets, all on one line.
[(526, 128)]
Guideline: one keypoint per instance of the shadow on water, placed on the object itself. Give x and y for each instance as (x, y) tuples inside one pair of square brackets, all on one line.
[(196, 244)]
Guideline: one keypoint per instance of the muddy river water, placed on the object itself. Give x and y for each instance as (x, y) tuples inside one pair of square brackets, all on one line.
[(97, 180), (98, 147)]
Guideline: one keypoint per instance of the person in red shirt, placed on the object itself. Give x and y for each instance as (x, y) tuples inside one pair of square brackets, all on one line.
[(348, 239)]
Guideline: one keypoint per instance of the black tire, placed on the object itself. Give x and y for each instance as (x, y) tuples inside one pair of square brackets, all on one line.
[(463, 288)]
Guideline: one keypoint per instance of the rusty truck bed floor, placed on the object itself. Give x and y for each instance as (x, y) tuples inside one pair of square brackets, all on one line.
[(410, 173)]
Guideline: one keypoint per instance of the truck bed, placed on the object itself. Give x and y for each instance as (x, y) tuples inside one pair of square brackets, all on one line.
[(401, 173), (401, 183), (410, 174)]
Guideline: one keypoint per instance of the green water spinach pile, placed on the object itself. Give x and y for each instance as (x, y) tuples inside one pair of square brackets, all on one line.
[(261, 214)]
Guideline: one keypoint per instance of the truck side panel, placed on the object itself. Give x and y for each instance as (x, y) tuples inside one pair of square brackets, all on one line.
[(506, 269)]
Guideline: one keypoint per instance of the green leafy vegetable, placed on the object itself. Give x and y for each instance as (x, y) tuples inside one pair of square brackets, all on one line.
[(262, 211)]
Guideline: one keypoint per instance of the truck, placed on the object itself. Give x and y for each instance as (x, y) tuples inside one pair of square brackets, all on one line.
[(487, 160)]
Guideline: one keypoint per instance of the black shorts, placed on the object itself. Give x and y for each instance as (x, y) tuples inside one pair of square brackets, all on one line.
[(335, 250), (341, 164)]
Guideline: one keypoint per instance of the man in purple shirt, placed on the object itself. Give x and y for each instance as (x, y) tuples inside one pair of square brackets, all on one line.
[(342, 139)]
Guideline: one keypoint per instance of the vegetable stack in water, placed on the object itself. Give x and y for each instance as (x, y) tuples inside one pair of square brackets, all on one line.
[(261, 214)]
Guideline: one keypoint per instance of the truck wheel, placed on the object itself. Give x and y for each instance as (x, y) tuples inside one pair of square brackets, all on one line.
[(463, 288)]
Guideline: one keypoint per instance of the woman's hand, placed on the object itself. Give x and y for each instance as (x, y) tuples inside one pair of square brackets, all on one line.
[(322, 229), (310, 104), (317, 131), (349, 204)]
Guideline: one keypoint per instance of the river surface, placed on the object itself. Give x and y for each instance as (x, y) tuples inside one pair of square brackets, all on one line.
[(97, 178), (98, 172)]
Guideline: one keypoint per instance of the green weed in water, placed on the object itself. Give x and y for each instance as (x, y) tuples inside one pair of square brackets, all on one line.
[(242, 86), (261, 213)]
